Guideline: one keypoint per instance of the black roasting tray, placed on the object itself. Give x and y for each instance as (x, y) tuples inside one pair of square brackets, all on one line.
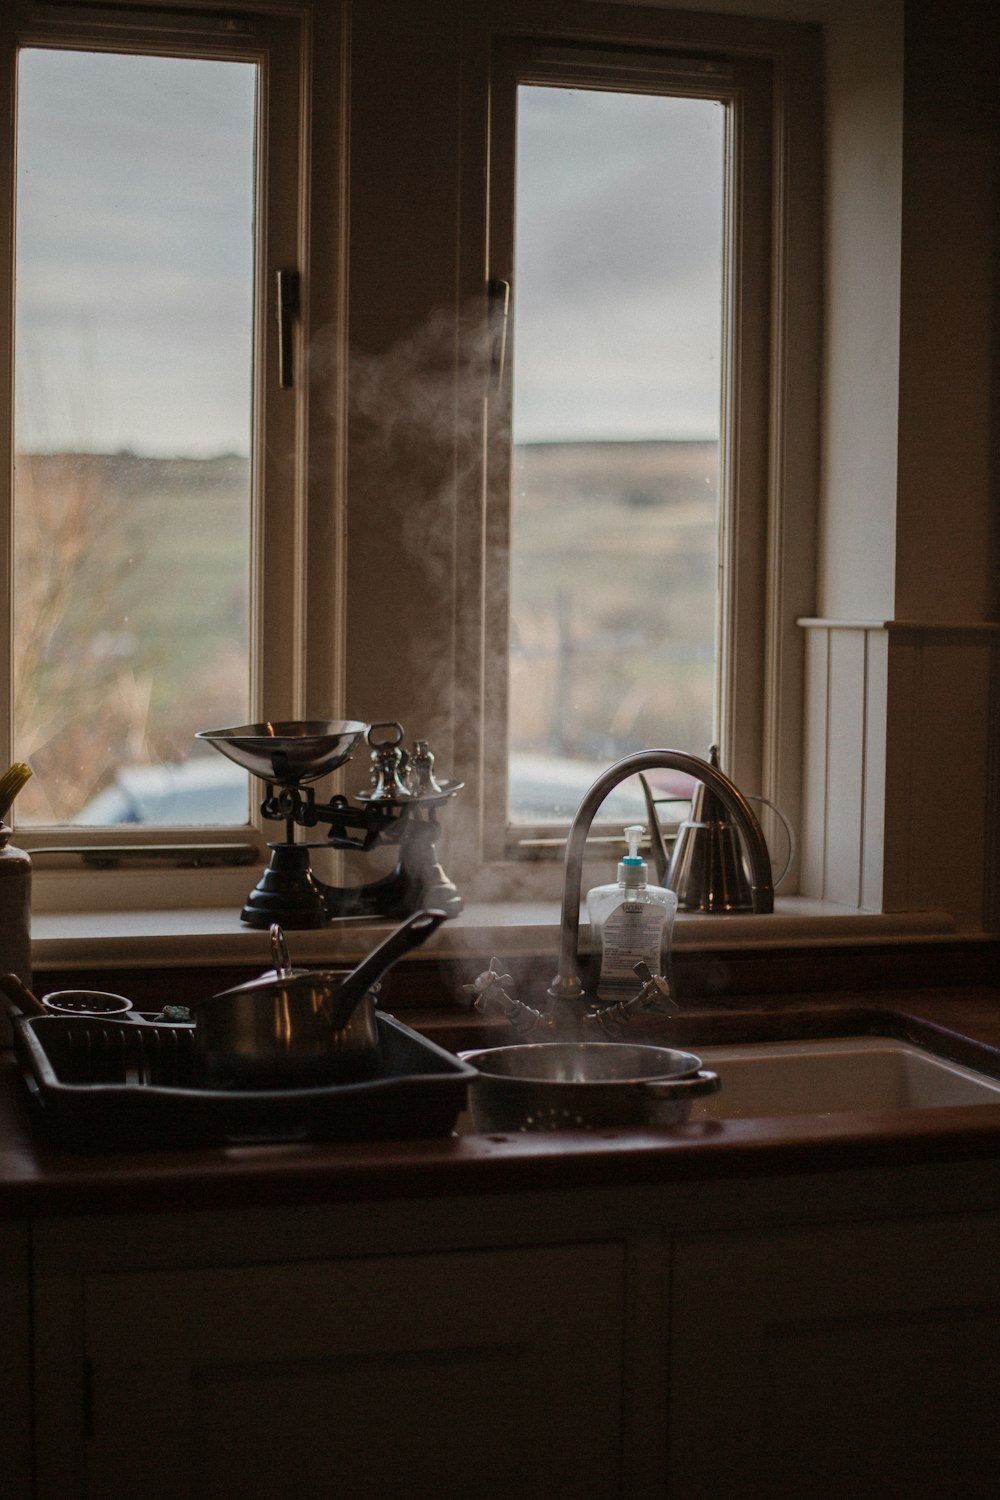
[(129, 1084)]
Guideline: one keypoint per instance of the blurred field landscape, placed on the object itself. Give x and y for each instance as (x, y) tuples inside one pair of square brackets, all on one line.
[(613, 594), (132, 603)]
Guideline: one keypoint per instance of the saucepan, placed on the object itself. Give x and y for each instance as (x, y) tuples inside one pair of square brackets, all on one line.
[(296, 1027), (583, 1086)]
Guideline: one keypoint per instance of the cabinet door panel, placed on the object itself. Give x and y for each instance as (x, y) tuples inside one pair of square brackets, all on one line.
[(449, 1375), (860, 1361), (15, 1362)]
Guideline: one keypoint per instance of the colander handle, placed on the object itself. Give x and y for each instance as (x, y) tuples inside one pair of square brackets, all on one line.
[(678, 1090)]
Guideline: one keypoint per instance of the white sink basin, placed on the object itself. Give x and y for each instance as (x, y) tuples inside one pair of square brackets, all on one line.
[(842, 1076)]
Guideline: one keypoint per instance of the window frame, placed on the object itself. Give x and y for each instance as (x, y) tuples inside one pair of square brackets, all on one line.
[(771, 437), (296, 623), (417, 648)]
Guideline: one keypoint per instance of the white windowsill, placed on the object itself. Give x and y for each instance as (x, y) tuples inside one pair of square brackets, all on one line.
[(216, 936)]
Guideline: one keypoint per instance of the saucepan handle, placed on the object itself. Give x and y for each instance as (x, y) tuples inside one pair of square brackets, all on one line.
[(415, 930), (16, 990), (279, 952)]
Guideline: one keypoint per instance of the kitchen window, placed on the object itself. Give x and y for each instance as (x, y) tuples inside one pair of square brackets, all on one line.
[(378, 481), (134, 280), (616, 395), (644, 249), (159, 505)]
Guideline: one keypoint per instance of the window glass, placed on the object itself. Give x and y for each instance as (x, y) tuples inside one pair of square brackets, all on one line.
[(133, 376), (617, 392)]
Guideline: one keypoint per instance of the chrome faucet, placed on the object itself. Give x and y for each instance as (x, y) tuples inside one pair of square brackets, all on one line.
[(566, 986)]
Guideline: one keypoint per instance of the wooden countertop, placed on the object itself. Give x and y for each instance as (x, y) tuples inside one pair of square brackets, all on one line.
[(40, 1179)]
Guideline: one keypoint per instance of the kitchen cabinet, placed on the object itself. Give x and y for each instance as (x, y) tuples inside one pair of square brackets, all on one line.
[(15, 1359), (493, 1374), (832, 1333), (856, 1360)]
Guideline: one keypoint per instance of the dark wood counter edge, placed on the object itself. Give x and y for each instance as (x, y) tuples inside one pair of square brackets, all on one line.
[(40, 1180)]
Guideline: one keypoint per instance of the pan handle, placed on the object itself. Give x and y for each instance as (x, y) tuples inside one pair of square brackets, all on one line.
[(16, 990), (279, 952), (339, 1005)]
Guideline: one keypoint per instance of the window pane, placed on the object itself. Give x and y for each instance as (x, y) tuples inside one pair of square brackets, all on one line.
[(616, 410), (134, 320)]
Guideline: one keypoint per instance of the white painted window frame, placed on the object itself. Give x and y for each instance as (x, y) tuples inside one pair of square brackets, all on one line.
[(771, 440), (296, 603)]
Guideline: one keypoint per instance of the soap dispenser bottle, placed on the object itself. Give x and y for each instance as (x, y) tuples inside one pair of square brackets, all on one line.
[(634, 921)]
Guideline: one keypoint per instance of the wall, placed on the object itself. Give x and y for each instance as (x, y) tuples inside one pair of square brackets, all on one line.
[(902, 741), (861, 317), (949, 412)]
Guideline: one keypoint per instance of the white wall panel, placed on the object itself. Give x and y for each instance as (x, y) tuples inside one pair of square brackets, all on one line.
[(845, 760), (901, 758)]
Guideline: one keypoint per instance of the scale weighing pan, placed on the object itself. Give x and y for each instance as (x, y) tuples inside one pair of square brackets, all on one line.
[(290, 751)]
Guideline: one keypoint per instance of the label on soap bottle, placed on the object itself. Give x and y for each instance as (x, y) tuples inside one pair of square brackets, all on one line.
[(633, 933)]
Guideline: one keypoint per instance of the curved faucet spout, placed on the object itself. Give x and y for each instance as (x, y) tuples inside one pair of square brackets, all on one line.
[(566, 984)]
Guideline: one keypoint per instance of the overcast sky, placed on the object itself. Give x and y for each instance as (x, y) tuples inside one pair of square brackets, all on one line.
[(618, 256), (134, 252), (135, 255)]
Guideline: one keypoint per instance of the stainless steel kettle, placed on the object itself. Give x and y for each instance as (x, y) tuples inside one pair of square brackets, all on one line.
[(707, 867)]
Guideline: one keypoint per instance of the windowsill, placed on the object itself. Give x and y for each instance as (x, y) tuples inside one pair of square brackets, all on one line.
[(216, 936)]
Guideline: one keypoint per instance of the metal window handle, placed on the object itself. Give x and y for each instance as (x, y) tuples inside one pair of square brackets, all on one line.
[(499, 303), (286, 309)]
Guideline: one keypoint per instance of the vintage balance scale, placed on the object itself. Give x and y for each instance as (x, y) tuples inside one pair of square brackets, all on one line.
[(400, 808)]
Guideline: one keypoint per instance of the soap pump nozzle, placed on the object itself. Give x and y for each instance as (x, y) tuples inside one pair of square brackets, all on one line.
[(632, 870)]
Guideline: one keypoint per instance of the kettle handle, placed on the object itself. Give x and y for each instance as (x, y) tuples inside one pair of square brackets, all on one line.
[(789, 833)]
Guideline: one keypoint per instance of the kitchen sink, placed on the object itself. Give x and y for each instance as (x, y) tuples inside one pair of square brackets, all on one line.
[(839, 1063), (844, 1075)]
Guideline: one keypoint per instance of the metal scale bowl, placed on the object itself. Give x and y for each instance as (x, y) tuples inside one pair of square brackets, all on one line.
[(289, 756)]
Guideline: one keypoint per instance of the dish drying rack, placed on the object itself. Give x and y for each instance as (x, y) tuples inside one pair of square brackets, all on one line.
[(131, 1083)]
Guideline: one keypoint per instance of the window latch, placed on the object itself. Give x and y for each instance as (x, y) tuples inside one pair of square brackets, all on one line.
[(286, 309), (499, 313)]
